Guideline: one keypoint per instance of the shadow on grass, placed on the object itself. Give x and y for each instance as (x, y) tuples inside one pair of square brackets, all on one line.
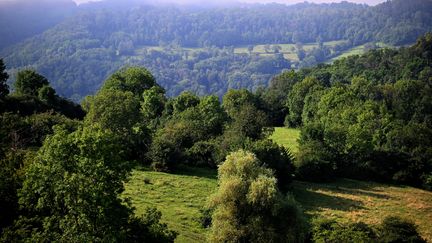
[(196, 171), (188, 171), (315, 200)]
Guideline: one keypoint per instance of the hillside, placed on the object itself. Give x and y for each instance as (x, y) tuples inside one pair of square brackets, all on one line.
[(80, 52), (180, 197)]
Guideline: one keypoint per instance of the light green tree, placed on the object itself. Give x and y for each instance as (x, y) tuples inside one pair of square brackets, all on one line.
[(248, 206)]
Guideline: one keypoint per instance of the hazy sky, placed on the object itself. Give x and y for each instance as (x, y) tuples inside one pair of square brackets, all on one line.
[(370, 2)]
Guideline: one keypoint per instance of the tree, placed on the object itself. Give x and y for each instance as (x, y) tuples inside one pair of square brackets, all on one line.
[(250, 122), (153, 103), (275, 157), (28, 82), (119, 112), (115, 110), (132, 79), (233, 100), (47, 94), (4, 89), (296, 99), (184, 101), (248, 206)]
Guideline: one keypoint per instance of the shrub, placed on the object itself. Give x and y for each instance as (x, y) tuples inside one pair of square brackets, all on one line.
[(329, 231)]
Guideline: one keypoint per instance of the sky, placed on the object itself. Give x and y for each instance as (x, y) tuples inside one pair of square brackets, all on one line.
[(370, 2)]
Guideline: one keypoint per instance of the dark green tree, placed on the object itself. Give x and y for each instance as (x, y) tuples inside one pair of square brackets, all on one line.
[(28, 82), (72, 192)]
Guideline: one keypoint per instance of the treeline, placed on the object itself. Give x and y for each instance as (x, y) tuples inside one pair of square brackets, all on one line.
[(82, 51), (366, 117)]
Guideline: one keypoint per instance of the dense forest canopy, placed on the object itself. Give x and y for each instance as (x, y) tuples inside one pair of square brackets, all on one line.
[(194, 48)]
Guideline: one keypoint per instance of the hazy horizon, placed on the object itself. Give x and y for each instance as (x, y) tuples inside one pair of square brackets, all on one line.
[(369, 2)]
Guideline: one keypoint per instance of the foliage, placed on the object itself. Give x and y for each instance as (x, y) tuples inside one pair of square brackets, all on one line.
[(366, 114), (249, 207), (153, 103), (28, 82), (326, 230), (275, 157), (71, 192), (114, 110), (132, 79), (392, 229)]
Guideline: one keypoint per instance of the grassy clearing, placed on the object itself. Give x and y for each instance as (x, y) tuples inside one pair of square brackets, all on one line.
[(358, 50), (286, 137), (352, 201), (178, 196), (288, 50)]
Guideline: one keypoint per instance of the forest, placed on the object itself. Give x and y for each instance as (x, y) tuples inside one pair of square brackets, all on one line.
[(64, 166), (201, 49)]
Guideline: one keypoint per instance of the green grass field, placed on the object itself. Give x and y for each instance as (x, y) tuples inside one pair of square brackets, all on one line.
[(180, 197), (286, 137), (357, 50)]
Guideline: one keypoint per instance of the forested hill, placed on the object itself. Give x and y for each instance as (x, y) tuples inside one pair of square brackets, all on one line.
[(209, 50)]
